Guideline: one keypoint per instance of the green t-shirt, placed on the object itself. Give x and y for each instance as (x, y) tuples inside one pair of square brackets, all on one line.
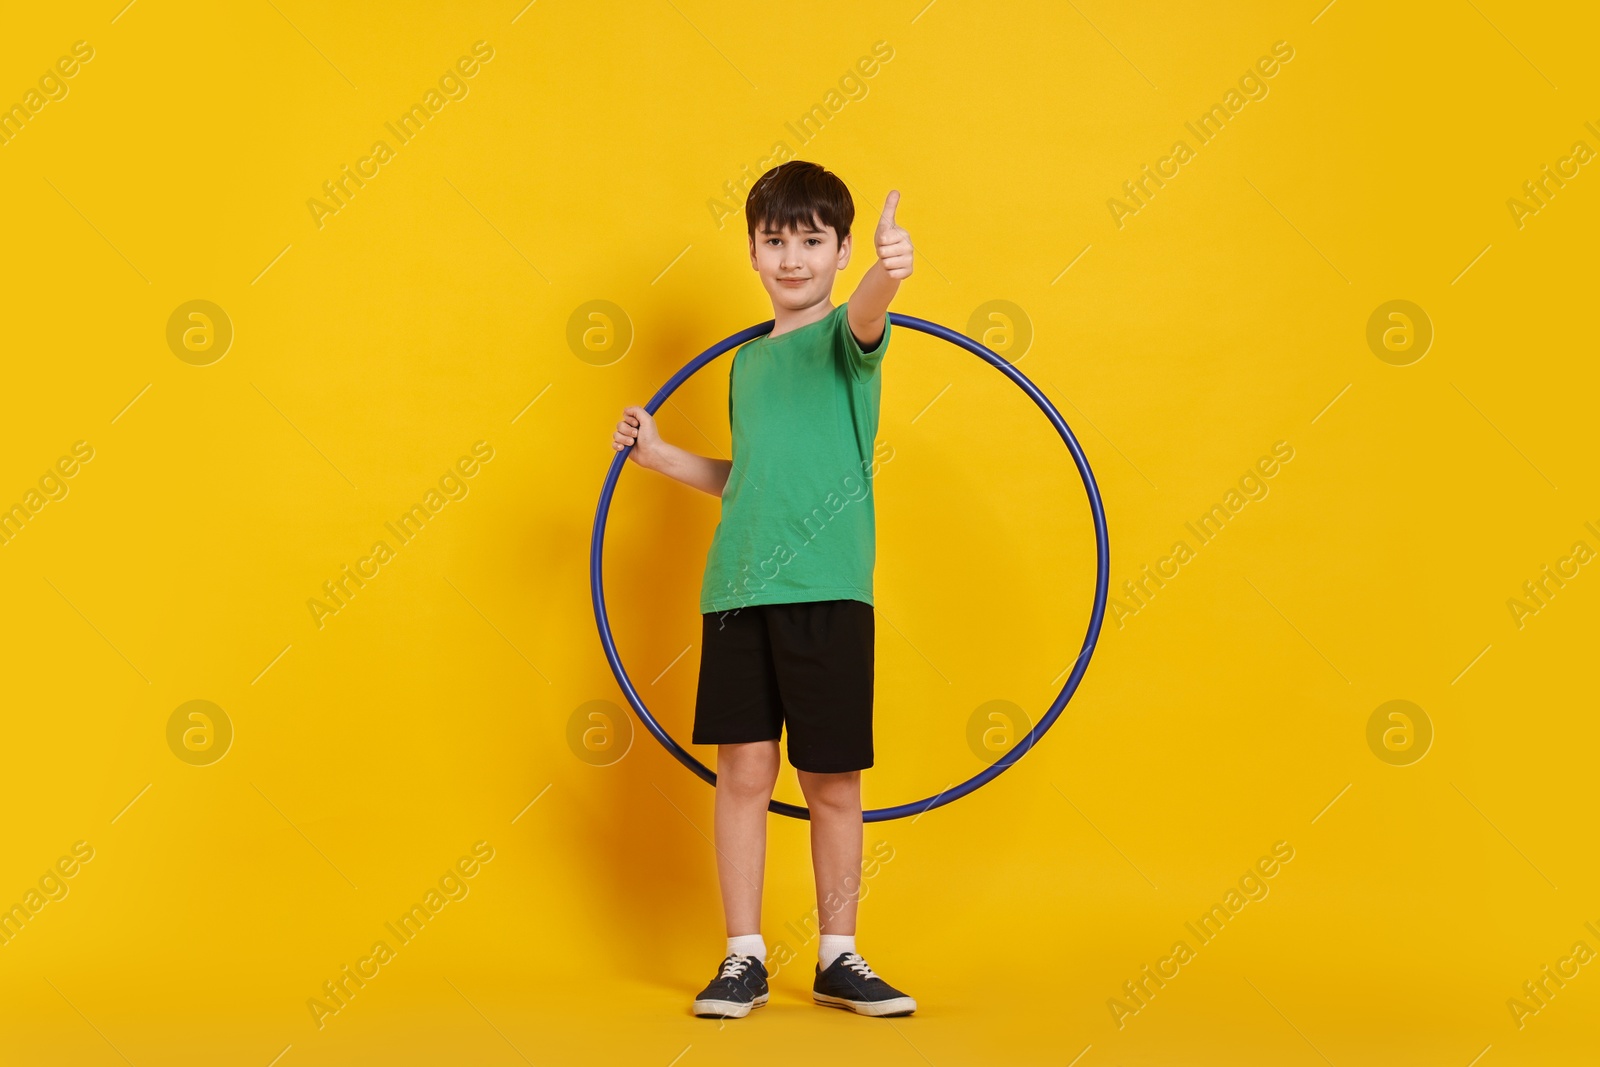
[(797, 518)]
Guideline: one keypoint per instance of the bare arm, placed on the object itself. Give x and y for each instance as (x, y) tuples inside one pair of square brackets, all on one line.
[(638, 429), (702, 472), (869, 305)]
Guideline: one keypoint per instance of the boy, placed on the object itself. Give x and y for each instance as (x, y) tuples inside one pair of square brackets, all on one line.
[(786, 600)]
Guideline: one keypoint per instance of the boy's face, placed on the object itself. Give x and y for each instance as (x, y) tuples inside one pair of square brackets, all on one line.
[(798, 267)]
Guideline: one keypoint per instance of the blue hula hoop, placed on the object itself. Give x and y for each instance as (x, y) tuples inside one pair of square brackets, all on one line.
[(1020, 749)]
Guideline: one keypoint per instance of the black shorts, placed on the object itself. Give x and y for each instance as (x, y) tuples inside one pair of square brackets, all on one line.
[(807, 664)]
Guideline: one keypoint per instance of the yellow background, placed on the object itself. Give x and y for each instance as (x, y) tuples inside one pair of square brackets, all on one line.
[(431, 312)]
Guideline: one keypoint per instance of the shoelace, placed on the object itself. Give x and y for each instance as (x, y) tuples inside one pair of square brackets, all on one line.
[(858, 965), (734, 966)]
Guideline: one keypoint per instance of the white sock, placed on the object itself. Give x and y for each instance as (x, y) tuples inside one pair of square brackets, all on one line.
[(748, 945), (831, 946)]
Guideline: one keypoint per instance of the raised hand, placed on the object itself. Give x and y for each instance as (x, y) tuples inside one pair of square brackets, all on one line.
[(892, 243)]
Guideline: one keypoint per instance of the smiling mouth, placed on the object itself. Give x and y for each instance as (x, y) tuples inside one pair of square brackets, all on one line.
[(792, 281)]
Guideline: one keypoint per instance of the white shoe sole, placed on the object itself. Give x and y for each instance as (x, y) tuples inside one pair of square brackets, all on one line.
[(727, 1009), (897, 1006)]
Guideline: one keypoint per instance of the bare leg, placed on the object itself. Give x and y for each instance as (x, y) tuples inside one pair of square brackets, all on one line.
[(836, 832), (746, 775)]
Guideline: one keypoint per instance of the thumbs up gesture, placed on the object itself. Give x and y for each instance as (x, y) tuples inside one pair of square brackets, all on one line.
[(892, 243)]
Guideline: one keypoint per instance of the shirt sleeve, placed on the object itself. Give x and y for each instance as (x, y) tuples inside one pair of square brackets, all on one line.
[(862, 364)]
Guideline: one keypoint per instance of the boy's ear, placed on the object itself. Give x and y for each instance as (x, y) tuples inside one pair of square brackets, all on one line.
[(753, 253), (844, 251)]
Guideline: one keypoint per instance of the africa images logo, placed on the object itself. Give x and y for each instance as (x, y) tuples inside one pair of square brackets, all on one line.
[(822, 514)]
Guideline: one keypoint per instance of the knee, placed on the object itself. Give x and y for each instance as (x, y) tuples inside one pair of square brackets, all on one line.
[(833, 792), (747, 773)]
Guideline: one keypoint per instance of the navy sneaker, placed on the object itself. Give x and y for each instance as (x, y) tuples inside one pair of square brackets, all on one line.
[(740, 985), (849, 983)]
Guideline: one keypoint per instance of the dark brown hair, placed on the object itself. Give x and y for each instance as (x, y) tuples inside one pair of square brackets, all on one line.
[(798, 194)]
